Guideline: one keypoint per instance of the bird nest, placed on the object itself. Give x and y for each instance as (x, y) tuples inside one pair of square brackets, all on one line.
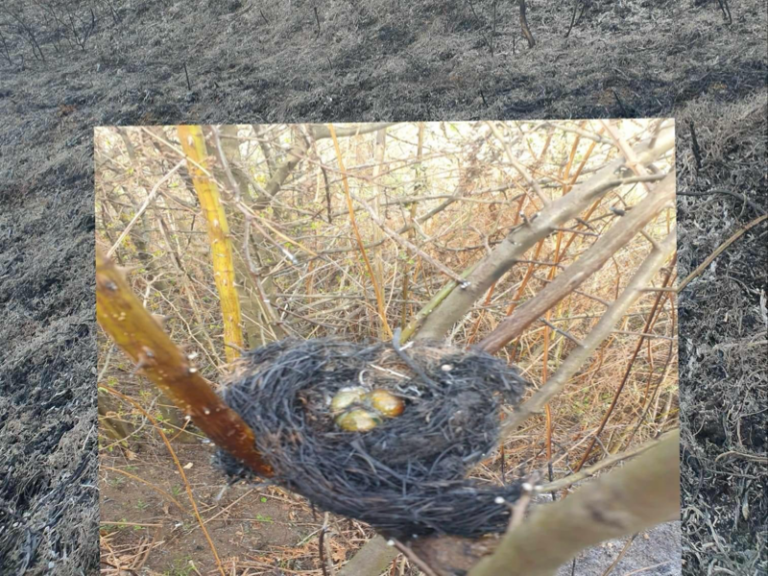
[(400, 465)]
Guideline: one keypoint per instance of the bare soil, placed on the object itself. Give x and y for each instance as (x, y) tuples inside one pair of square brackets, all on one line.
[(371, 60), (260, 520)]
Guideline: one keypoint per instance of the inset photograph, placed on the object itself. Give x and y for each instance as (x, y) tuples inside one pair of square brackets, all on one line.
[(430, 348)]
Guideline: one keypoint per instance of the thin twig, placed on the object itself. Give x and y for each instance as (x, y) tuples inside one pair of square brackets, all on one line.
[(376, 288), (599, 333), (149, 199), (411, 555), (620, 556), (718, 251), (409, 246), (743, 456), (565, 333), (585, 473), (652, 316)]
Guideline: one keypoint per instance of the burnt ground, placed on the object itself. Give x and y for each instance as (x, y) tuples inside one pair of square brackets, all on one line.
[(369, 60)]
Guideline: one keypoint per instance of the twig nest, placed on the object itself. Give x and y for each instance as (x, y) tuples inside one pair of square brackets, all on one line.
[(362, 431)]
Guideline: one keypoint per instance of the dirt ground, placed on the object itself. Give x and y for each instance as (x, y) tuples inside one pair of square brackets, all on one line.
[(369, 60), (262, 520), (147, 523)]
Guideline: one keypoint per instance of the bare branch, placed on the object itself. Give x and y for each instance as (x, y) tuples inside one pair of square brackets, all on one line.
[(320, 131), (640, 495), (193, 145), (600, 332), (408, 245), (703, 266), (372, 559), (150, 198), (514, 246), (589, 263), (139, 335)]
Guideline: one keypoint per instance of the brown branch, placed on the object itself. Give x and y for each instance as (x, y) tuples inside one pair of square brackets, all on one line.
[(410, 246), (149, 199), (139, 335), (703, 266), (524, 25), (299, 150), (276, 324), (521, 169), (629, 155), (592, 471), (589, 263), (449, 555), (294, 155), (377, 289), (455, 305), (615, 312), (651, 320)]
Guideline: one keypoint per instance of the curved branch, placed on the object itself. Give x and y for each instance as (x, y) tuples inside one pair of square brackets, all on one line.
[(626, 228), (139, 335), (615, 312)]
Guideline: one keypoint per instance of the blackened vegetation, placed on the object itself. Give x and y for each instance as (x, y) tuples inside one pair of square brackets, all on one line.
[(723, 322), (407, 476), (524, 24)]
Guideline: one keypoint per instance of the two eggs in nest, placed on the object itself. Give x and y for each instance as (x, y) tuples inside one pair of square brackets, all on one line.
[(356, 409)]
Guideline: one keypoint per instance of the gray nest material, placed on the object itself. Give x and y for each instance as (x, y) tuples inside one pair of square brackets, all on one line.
[(407, 476)]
